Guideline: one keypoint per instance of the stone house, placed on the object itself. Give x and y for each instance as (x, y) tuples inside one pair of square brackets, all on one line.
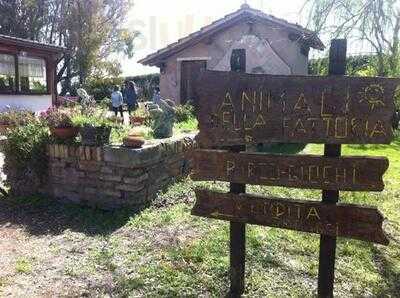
[(263, 43)]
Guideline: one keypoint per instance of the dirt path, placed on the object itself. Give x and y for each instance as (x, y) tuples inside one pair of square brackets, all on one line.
[(49, 249)]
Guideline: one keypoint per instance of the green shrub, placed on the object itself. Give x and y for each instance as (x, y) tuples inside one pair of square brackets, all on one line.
[(184, 112), (146, 84), (190, 125), (105, 103), (100, 88), (92, 120), (25, 161)]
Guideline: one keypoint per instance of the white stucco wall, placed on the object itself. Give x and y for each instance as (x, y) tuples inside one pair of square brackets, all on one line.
[(268, 47), (35, 103)]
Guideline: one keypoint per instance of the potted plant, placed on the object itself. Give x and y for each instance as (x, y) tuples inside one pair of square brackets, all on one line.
[(139, 117), (95, 130), (60, 123)]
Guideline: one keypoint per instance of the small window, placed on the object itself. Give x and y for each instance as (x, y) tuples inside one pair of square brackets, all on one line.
[(238, 60), (32, 75), (7, 73)]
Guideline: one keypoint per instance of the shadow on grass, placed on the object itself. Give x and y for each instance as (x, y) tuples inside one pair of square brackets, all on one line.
[(389, 274), (43, 216)]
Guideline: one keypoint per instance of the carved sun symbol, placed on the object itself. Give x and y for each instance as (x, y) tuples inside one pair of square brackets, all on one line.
[(374, 96)]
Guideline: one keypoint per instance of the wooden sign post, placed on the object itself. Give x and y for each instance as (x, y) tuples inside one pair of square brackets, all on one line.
[(237, 230), (237, 109), (327, 246)]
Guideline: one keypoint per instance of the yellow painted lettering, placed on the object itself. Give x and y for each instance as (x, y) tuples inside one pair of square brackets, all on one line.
[(379, 129), (299, 127), (251, 101), (302, 104), (341, 124), (230, 167), (340, 176), (260, 121), (313, 213)]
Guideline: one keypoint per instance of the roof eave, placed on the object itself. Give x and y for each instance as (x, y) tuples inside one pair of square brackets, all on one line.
[(155, 59), (32, 45)]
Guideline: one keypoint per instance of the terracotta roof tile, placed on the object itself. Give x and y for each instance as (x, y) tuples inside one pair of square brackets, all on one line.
[(244, 11)]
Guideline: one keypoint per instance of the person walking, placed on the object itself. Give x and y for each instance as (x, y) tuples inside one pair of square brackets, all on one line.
[(117, 101), (130, 96)]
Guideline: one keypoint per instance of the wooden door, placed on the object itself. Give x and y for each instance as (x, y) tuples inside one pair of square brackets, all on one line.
[(189, 70)]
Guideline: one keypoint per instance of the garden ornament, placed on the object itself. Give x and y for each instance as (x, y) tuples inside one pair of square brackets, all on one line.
[(163, 118)]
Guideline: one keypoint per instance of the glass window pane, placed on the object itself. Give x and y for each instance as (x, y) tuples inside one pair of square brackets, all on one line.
[(7, 73), (32, 75)]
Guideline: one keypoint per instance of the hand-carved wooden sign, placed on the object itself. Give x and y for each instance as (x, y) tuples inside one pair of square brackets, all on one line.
[(237, 108), (300, 171), (345, 220)]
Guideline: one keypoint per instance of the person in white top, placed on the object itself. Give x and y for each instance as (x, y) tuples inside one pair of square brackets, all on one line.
[(117, 101)]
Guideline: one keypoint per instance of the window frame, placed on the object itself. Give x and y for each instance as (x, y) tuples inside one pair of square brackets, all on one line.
[(17, 79)]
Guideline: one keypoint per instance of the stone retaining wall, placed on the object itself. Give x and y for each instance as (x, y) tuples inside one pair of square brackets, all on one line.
[(112, 177)]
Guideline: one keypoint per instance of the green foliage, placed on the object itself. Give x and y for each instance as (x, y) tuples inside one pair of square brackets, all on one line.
[(118, 133), (15, 117), (373, 22), (184, 112), (25, 148), (82, 120), (146, 84), (105, 103), (101, 88), (190, 125), (364, 65)]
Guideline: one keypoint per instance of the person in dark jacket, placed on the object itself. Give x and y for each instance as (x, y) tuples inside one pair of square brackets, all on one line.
[(130, 96)]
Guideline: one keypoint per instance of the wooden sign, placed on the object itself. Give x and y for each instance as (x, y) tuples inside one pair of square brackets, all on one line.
[(300, 171), (237, 108), (345, 220)]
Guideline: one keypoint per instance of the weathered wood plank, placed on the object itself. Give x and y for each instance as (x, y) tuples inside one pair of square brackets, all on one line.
[(342, 220), (298, 171), (237, 108)]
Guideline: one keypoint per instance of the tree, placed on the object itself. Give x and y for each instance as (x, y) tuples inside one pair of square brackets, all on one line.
[(23, 19), (374, 21), (92, 30)]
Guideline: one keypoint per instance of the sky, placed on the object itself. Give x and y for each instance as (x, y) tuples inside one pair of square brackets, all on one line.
[(162, 22)]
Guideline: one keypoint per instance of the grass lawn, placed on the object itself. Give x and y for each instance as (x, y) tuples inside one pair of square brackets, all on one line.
[(53, 249)]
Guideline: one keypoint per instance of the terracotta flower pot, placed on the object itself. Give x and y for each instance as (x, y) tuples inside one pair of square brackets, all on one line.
[(65, 133), (134, 140), (137, 120)]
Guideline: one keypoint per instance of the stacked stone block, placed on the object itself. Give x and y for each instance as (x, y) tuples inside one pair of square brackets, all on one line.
[(114, 177)]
